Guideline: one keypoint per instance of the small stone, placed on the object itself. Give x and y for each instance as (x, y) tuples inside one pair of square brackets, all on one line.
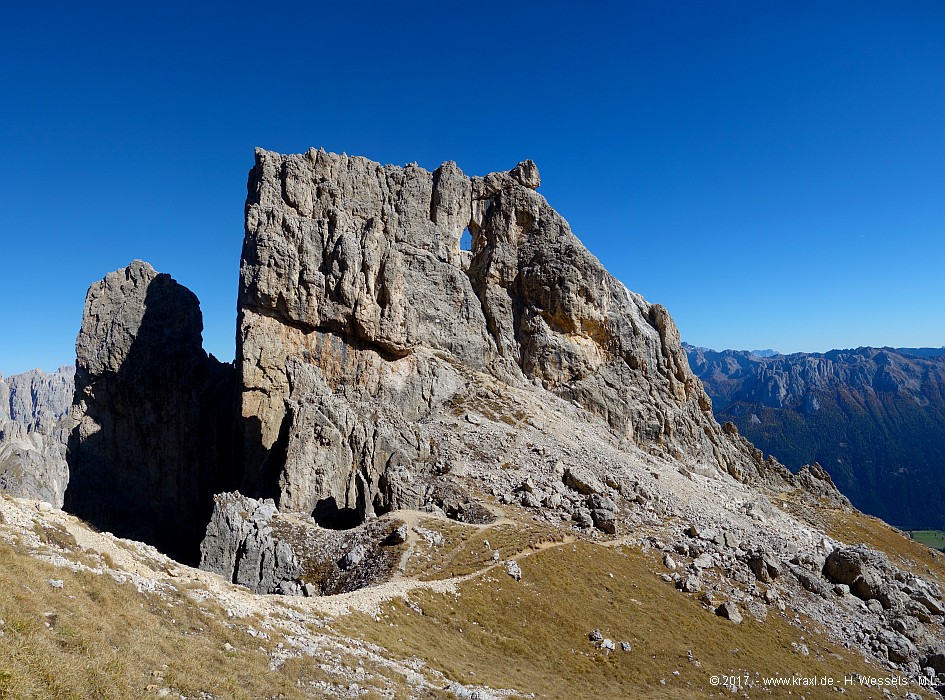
[(56, 583), (530, 500), (625, 646), (596, 636), (669, 562), (690, 584), (398, 535), (800, 649), (703, 561), (474, 420), (730, 612), (353, 557), (608, 645), (514, 570), (309, 590), (582, 518), (227, 647), (708, 597)]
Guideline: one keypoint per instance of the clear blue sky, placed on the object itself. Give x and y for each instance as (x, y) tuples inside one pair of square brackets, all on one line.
[(773, 173)]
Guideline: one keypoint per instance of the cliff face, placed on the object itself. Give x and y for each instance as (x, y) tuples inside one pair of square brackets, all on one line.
[(873, 417), (34, 425), (360, 315), (154, 434)]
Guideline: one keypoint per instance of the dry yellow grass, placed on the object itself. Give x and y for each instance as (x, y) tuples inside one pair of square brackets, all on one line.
[(464, 552), (906, 553), (532, 635), (95, 638)]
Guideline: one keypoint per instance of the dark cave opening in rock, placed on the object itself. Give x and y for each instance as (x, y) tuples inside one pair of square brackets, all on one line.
[(328, 515)]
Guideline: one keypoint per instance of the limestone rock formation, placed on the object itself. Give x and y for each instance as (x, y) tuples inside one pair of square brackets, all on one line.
[(34, 425), (251, 543), (240, 545), (155, 425), (360, 315)]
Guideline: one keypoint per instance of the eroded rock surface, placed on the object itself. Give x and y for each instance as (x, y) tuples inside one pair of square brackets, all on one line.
[(360, 316), (240, 545), (34, 426), (251, 543), (155, 423)]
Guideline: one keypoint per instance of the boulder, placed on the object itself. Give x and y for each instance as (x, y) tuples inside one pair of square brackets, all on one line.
[(583, 481), (763, 565), (729, 611), (241, 546), (864, 570), (604, 520)]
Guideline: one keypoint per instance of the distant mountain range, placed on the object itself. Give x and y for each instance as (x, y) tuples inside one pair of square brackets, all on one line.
[(873, 417)]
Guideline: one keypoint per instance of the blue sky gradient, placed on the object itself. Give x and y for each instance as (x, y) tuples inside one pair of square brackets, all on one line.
[(771, 172)]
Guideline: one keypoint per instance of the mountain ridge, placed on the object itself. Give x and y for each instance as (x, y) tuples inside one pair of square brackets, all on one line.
[(874, 417)]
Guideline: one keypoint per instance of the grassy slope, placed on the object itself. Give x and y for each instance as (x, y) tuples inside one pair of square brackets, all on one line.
[(532, 635), (96, 638)]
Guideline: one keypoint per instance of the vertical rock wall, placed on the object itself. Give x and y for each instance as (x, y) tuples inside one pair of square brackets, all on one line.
[(155, 430), (359, 314)]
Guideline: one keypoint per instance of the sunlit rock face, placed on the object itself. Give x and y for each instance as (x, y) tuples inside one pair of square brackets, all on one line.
[(34, 426), (360, 315)]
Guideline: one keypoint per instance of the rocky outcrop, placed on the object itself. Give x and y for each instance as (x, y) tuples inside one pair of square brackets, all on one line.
[(360, 315), (34, 425), (155, 422), (240, 545), (251, 543)]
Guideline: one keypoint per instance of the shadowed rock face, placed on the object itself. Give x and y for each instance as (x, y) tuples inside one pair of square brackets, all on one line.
[(359, 315), (155, 422)]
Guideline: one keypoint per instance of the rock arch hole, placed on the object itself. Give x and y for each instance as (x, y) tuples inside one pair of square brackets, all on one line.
[(465, 241)]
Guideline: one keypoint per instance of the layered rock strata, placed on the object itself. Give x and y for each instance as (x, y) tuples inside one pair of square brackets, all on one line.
[(155, 423), (360, 315)]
